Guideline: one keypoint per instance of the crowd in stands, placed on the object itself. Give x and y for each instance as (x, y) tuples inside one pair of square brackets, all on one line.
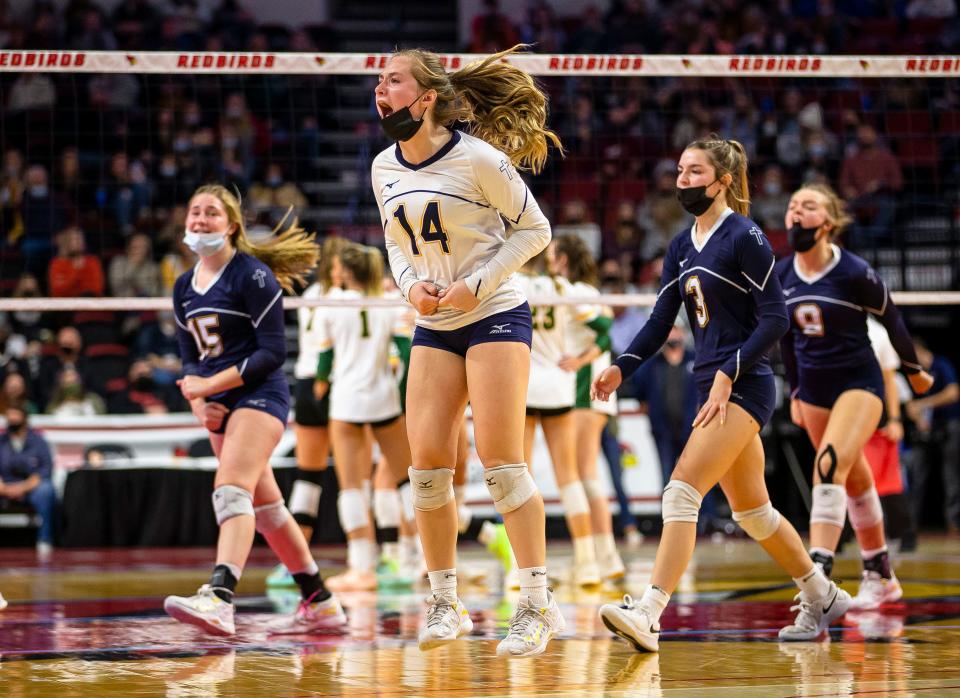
[(96, 168)]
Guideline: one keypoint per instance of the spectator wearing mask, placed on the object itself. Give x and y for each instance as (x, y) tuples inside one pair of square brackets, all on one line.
[(143, 395), (43, 213), (576, 221), (15, 393), (768, 205), (870, 178), (71, 399), (68, 356), (660, 214), (73, 272), (275, 192), (26, 469)]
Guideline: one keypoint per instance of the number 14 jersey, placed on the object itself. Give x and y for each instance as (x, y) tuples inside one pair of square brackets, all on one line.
[(442, 221)]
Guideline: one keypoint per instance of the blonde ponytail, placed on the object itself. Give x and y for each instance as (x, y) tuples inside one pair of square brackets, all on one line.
[(728, 157)]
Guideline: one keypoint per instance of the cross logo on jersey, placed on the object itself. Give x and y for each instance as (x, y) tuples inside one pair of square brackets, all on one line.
[(755, 231), (505, 167), (259, 275)]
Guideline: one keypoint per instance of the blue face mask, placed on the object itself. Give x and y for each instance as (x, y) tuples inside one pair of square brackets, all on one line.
[(204, 244)]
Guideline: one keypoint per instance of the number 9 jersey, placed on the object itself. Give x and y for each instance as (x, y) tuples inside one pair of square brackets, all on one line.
[(442, 223), (236, 320)]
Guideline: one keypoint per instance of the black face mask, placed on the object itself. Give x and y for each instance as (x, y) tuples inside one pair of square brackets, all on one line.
[(400, 125), (695, 200), (802, 239), (15, 427), (144, 384)]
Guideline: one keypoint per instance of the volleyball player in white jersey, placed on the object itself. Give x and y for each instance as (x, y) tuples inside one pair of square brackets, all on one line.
[(587, 355), (310, 414), (550, 397), (441, 195), (355, 360)]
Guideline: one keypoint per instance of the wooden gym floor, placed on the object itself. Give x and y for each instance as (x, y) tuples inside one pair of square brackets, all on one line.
[(89, 622)]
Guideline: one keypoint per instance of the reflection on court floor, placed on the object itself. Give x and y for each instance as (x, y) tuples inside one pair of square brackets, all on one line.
[(90, 622)]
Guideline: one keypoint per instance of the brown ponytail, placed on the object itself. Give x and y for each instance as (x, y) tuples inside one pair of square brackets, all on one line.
[(728, 157)]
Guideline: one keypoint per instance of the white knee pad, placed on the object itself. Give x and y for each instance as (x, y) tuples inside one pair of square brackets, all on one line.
[(305, 498), (865, 511), (352, 508), (680, 502), (510, 486), (230, 501), (431, 488), (829, 505), (270, 517), (386, 508), (593, 488), (573, 497), (759, 523)]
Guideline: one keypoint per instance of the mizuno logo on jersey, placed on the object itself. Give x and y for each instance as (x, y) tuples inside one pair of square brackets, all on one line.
[(389, 185), (683, 261), (185, 304), (788, 291), (259, 275), (257, 402), (501, 329)]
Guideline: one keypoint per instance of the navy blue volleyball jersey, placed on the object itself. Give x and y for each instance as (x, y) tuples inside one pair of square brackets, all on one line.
[(828, 316), (236, 321), (733, 300)]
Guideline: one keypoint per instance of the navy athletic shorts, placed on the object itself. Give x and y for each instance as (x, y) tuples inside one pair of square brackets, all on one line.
[(514, 325), (822, 387), (272, 396), (757, 394)]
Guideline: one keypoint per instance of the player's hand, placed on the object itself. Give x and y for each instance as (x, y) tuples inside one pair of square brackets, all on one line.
[(193, 387), (212, 415), (458, 296), (920, 382), (716, 403), (424, 296), (570, 363), (606, 383), (796, 416), (893, 431), (320, 389)]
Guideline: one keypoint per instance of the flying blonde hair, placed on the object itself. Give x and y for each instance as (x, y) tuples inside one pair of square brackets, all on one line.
[(836, 207), (498, 102), (291, 255)]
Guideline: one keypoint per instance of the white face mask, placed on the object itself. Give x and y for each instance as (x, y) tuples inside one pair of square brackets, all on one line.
[(205, 244)]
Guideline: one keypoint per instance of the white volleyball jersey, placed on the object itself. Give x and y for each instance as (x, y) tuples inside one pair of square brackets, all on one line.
[(442, 223), (550, 386), (580, 338), (306, 366), (363, 388)]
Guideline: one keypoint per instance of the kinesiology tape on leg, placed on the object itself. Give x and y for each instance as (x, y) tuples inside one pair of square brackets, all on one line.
[(827, 464)]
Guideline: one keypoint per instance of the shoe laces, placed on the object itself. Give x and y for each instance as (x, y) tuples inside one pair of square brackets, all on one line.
[(524, 618), (805, 619), (437, 614)]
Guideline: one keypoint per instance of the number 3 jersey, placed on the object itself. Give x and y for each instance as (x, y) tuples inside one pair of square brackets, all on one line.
[(828, 316), (733, 301), (442, 223), (236, 320)]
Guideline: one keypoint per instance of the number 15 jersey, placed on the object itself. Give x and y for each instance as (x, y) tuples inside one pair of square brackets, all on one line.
[(442, 223)]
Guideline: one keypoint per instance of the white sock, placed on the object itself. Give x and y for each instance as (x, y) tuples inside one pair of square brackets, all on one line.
[(533, 584), (653, 601), (814, 584), (606, 545), (443, 582), (583, 550)]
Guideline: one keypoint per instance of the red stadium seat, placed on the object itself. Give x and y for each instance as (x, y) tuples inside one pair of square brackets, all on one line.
[(908, 123), (948, 122)]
